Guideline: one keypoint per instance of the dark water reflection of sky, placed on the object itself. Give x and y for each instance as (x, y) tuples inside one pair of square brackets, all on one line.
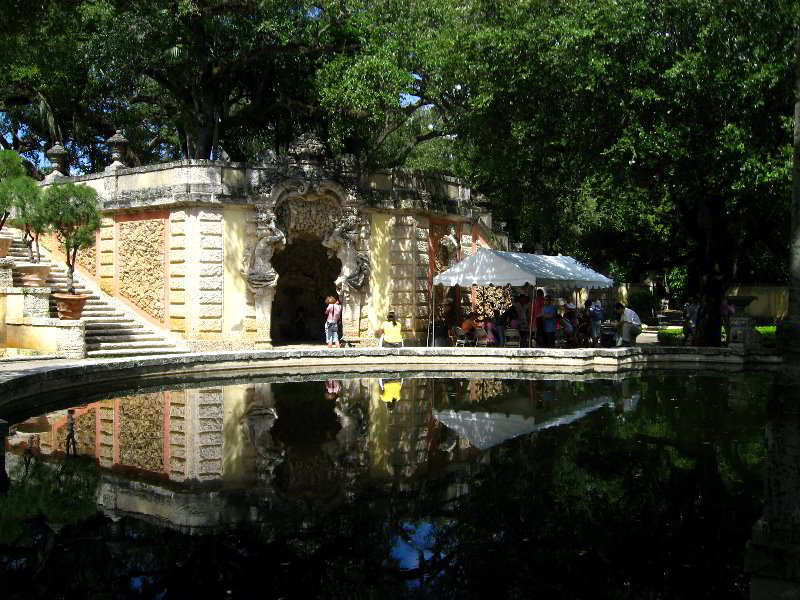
[(637, 487)]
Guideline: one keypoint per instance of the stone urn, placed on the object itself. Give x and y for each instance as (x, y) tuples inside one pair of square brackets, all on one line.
[(5, 246), (70, 306), (33, 274)]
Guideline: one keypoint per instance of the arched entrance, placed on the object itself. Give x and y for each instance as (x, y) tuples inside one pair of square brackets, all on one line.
[(306, 275)]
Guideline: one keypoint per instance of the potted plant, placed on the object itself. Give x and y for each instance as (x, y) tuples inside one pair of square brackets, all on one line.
[(71, 211), (29, 215), (12, 174)]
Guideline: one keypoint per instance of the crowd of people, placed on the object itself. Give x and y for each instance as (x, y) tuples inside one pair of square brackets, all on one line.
[(545, 321), (539, 322)]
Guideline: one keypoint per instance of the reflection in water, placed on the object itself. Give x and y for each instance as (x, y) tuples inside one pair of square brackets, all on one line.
[(640, 487)]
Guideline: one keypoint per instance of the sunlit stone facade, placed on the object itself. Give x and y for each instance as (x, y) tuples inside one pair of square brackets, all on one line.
[(226, 255)]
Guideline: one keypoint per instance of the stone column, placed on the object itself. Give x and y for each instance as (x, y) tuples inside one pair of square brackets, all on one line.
[(351, 315), (264, 298)]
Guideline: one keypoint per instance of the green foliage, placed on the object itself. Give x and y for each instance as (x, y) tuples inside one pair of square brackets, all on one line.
[(767, 335), (61, 494), (673, 336), (678, 284), (11, 174), (643, 303), (71, 210)]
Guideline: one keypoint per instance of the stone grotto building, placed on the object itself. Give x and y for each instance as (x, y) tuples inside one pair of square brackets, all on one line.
[(222, 255)]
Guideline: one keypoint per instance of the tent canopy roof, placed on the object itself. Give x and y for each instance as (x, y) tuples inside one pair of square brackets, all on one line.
[(495, 267)]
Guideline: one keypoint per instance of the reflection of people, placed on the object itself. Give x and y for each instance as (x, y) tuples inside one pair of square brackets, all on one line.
[(629, 325), (392, 331), (71, 432), (332, 388), (390, 391), (333, 312)]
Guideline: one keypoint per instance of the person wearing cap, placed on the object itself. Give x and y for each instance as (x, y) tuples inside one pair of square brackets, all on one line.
[(392, 331)]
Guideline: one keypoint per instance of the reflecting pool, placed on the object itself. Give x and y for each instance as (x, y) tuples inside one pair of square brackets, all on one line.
[(642, 486)]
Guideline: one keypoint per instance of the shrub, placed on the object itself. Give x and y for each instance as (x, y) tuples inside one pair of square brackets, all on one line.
[(767, 333), (672, 336)]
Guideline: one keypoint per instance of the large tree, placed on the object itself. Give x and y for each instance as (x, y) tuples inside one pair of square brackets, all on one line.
[(641, 135)]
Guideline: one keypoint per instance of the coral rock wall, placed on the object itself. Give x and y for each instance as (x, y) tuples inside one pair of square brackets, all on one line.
[(141, 431), (141, 264)]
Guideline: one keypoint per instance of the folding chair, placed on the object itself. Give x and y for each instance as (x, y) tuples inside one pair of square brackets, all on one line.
[(512, 338), (481, 337), (460, 336)]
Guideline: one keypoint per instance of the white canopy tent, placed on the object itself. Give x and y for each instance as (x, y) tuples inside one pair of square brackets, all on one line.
[(499, 268)]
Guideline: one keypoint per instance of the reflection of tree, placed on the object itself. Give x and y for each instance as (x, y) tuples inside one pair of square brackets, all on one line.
[(654, 503)]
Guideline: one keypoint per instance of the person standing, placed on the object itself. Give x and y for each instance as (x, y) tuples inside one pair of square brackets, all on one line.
[(549, 317), (629, 325), (595, 311), (333, 313)]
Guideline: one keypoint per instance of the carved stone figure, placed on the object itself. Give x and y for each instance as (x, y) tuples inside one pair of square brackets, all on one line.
[(450, 244), (257, 266), (355, 266)]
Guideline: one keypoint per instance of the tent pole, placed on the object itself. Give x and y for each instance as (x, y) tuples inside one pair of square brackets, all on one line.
[(530, 321)]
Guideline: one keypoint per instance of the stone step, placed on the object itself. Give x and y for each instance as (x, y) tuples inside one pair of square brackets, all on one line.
[(122, 336), (95, 345), (142, 352), (105, 325)]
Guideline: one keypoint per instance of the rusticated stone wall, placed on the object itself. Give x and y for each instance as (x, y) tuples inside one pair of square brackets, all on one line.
[(141, 431), (105, 247), (177, 435), (177, 272), (141, 264), (105, 410), (87, 259), (209, 251)]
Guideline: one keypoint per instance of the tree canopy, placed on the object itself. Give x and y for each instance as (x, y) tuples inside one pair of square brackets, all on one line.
[(640, 135)]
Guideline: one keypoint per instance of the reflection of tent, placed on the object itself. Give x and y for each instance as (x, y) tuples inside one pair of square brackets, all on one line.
[(495, 267), (484, 430)]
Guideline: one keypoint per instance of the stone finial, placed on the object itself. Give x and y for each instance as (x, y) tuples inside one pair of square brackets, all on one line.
[(538, 249), (516, 246), (118, 144), (60, 158)]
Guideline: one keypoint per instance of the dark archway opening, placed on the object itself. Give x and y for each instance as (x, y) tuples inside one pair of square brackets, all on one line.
[(306, 275)]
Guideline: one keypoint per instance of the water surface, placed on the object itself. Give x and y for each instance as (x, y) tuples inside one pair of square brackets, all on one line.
[(627, 487)]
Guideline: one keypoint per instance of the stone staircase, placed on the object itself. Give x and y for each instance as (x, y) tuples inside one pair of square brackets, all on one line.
[(111, 329)]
